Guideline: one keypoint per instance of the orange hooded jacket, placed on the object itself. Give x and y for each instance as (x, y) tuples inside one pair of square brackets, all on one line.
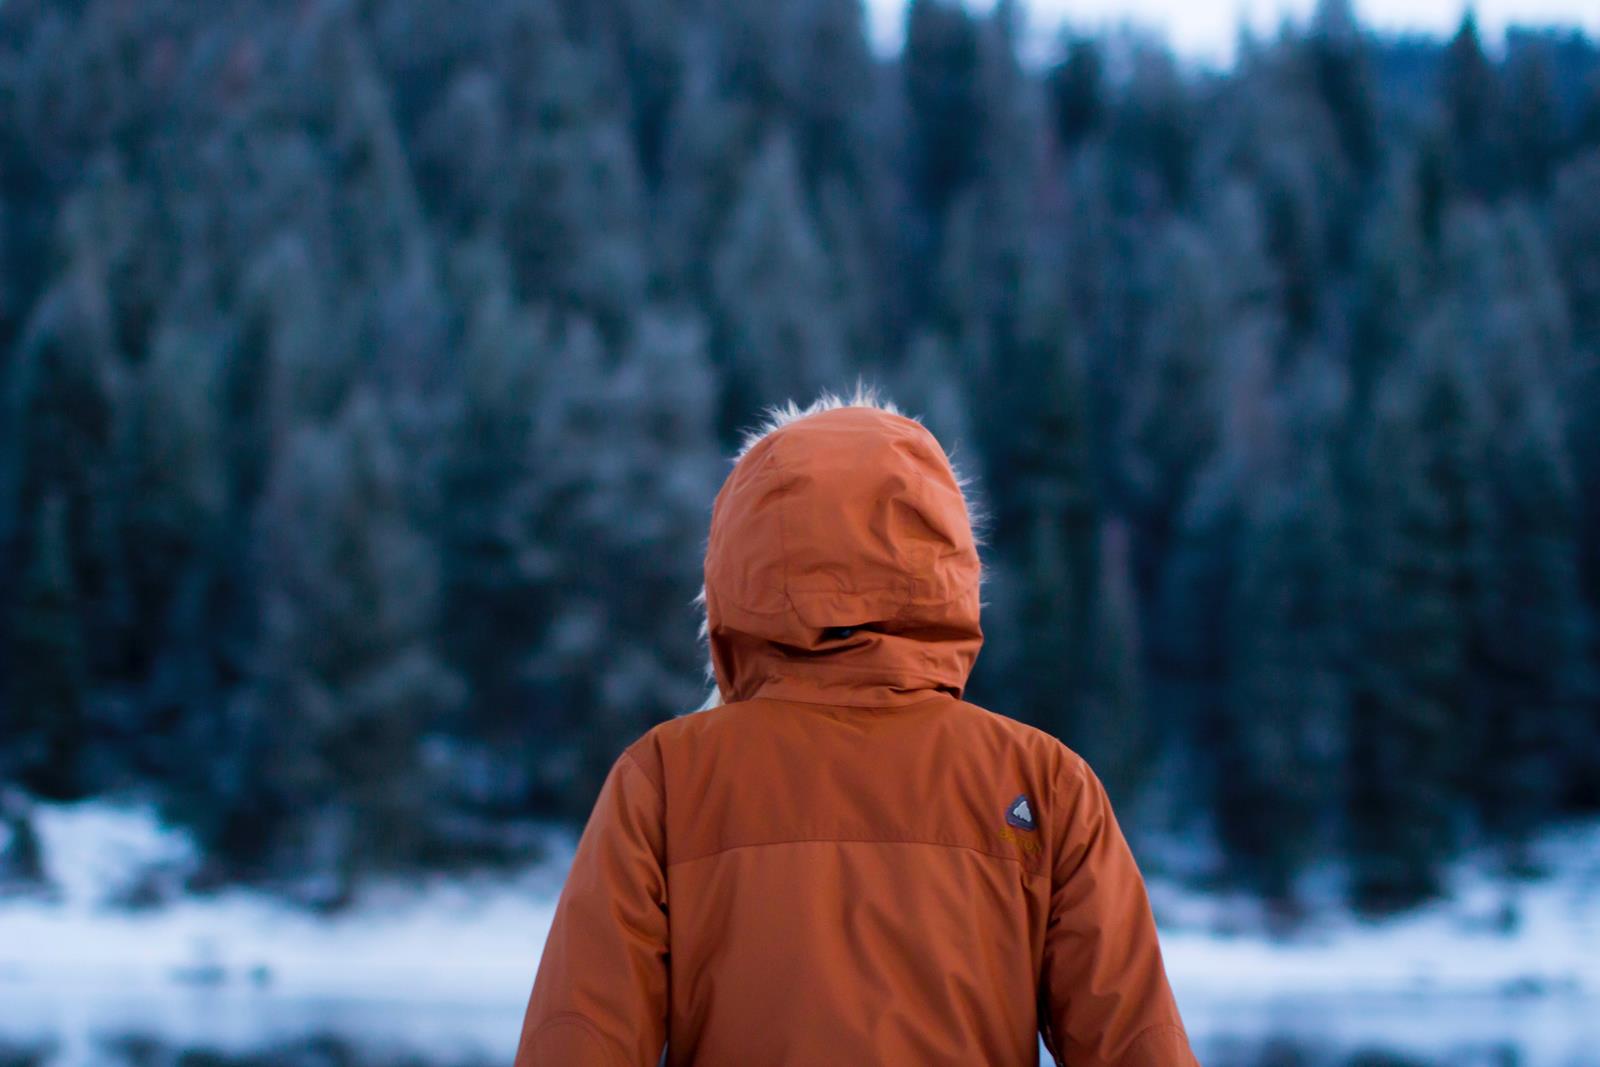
[(846, 864)]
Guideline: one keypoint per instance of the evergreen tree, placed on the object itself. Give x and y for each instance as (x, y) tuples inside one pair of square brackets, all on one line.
[(1509, 307), (362, 368), (1113, 732), (652, 39), (1415, 713), (1152, 133), (62, 402), (1283, 715), (48, 724), (1575, 232), (1170, 414), (1188, 682), (172, 535), (836, 82), (1575, 226), (498, 577), (1532, 724), (573, 482), (1394, 280), (944, 99), (1036, 448), (1533, 120), (643, 468), (1077, 92), (1472, 101), (1341, 70), (779, 334), (327, 739), (574, 217)]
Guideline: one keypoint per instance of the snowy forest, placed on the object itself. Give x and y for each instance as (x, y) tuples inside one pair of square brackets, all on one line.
[(367, 373)]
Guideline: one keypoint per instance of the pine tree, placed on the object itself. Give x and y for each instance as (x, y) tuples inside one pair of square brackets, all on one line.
[(363, 367), (652, 39), (1036, 445), (1533, 723), (498, 572), (1189, 657), (172, 532), (49, 684), (1113, 731), (779, 334), (328, 736), (1341, 70), (62, 396), (1415, 714), (941, 67), (1169, 417), (1473, 112), (1152, 133), (647, 459), (574, 219), (1077, 92), (1283, 714), (1575, 228), (1575, 234), (1394, 280), (574, 482), (1533, 120), (1513, 321), (835, 86)]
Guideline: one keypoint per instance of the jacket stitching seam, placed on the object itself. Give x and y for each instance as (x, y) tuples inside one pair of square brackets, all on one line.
[(904, 590), (783, 530), (911, 580), (919, 703), (809, 594), (660, 788), (1153, 1028), (858, 668), (859, 841), (584, 1023)]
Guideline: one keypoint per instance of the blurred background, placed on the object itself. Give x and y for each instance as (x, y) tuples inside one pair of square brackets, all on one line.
[(368, 367)]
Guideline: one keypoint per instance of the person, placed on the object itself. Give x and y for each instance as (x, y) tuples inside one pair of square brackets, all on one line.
[(840, 861)]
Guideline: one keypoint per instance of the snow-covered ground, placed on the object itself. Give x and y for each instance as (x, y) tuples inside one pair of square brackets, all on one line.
[(444, 966), (1490, 936), (441, 938)]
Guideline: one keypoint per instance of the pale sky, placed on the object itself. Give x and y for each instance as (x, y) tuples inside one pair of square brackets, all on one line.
[(1206, 29)]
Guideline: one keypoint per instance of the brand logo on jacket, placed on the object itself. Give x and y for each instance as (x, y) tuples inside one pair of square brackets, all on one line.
[(1020, 813)]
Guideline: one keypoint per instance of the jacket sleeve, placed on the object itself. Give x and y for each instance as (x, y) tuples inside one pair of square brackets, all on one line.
[(1104, 996), (600, 996)]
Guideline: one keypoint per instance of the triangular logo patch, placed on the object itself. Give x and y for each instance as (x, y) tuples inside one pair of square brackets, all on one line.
[(1020, 813)]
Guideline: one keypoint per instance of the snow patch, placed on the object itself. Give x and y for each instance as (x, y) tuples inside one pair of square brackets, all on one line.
[(477, 939), (437, 939), (1490, 936)]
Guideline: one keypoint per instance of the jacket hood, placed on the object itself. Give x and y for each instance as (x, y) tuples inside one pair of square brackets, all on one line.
[(841, 567)]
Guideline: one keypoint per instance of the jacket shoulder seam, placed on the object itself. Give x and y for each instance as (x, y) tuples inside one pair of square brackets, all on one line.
[(660, 788), (826, 840)]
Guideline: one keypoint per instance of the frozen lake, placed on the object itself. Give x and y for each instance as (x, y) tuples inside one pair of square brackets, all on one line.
[(220, 1028)]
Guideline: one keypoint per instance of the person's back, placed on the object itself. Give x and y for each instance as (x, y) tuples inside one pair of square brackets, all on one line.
[(845, 863)]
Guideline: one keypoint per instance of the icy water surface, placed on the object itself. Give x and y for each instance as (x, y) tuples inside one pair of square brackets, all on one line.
[(214, 1028)]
